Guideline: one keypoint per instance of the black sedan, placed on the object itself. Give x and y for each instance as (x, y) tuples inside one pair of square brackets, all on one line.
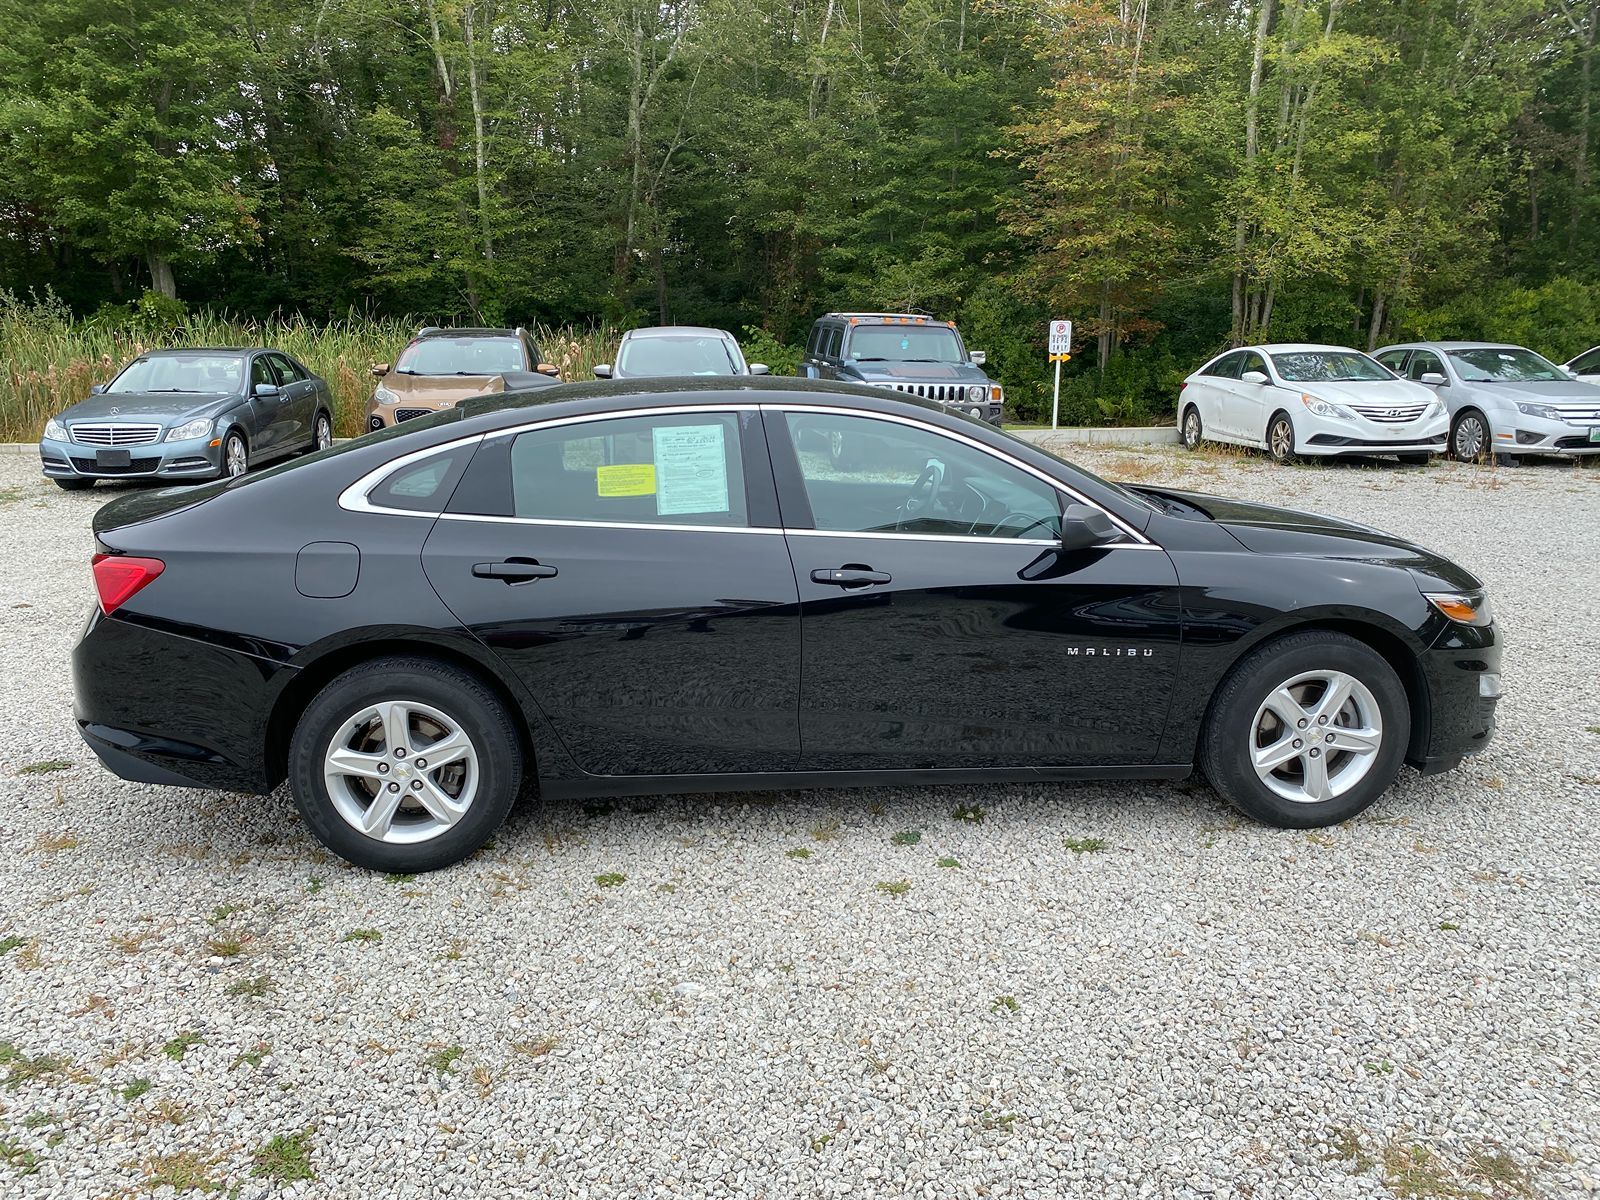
[(197, 413), (665, 586)]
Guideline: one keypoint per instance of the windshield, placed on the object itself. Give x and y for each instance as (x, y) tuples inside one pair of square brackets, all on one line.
[(692, 354), (1329, 366), (904, 343), (1505, 365), (182, 373), (461, 356)]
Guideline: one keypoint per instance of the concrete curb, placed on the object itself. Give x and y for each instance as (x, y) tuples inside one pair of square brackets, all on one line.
[(1105, 435)]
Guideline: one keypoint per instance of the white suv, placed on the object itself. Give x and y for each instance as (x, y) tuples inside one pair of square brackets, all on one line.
[(1310, 400)]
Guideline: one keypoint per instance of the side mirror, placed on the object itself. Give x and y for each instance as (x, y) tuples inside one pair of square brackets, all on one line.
[(979, 357), (1083, 527), (1433, 379), (549, 369), (98, 389), (602, 371), (266, 389), (379, 370), (1254, 377), (760, 369)]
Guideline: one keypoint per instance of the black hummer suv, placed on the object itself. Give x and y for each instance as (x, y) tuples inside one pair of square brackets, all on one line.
[(909, 352)]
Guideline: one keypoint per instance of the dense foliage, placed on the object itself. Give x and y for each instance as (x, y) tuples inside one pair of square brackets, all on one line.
[(1172, 176)]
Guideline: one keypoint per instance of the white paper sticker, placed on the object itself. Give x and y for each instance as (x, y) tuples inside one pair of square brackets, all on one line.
[(691, 469)]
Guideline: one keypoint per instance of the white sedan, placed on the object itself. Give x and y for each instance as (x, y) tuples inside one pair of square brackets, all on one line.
[(1586, 366), (1310, 400)]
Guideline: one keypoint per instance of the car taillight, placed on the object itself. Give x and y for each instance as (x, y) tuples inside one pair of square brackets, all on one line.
[(117, 577)]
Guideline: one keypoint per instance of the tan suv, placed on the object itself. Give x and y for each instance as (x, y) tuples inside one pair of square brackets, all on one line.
[(442, 366)]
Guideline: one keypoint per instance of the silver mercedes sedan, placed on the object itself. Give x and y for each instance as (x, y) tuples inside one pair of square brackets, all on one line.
[(1504, 400)]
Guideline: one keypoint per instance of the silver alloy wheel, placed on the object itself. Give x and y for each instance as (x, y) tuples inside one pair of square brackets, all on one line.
[(237, 457), (1316, 736), (1191, 428), (1469, 439), (1281, 439), (324, 433), (401, 772), (835, 445)]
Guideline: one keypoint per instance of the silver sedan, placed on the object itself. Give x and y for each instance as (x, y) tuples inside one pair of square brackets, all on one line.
[(1504, 400)]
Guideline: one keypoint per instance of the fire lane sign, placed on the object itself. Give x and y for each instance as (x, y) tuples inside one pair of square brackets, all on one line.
[(1060, 337)]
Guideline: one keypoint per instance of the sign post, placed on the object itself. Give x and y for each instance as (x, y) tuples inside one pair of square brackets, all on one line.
[(1060, 352)]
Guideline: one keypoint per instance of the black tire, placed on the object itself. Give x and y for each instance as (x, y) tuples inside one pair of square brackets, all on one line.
[(318, 423), (1280, 438), (75, 485), (1415, 460), (1508, 460), (465, 700), (1465, 444), (1192, 429), (234, 444), (1229, 734)]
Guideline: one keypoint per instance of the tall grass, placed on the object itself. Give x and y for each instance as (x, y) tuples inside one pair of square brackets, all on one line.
[(49, 359)]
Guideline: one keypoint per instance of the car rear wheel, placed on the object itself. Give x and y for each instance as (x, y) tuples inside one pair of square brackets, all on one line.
[(405, 765), (841, 451), (75, 485), (1193, 429), (1469, 436), (1280, 438), (321, 433), (1307, 731)]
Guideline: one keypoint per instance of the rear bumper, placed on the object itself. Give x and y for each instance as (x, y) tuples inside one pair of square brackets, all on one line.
[(207, 731), (1462, 675), (193, 458)]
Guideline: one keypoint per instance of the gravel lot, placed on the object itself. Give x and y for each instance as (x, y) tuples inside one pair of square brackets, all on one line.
[(1120, 991)]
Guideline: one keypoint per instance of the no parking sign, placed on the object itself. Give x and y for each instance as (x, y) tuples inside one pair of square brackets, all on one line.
[(1060, 337)]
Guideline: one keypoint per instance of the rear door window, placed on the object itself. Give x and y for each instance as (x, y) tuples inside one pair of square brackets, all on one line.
[(671, 469)]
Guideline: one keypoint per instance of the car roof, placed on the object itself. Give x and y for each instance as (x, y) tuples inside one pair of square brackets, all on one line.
[(465, 333), (1456, 346), (661, 331), (911, 317), (1302, 348), (172, 350)]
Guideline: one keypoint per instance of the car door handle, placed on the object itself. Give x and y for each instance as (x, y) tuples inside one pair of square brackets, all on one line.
[(513, 570), (850, 577)]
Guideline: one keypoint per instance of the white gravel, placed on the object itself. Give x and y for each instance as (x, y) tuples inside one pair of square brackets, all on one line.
[(1400, 1006)]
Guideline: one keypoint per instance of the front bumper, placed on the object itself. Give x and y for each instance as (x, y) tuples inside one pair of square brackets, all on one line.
[(1334, 435), (1462, 675), (192, 458), (1541, 435), (382, 416)]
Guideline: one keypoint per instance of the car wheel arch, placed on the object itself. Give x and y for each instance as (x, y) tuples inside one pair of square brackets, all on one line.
[(1474, 409), (308, 681), (1392, 646)]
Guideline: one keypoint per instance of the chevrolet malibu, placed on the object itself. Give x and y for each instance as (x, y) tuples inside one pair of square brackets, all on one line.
[(627, 588), (189, 414), (1310, 400)]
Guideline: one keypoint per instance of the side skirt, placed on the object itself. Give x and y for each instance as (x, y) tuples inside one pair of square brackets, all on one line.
[(767, 781)]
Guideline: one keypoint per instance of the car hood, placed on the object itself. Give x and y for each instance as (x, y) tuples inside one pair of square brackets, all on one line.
[(1568, 391), (158, 406), (909, 372), (440, 388), (1264, 529), (1377, 391)]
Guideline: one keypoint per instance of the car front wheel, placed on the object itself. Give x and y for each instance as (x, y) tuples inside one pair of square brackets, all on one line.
[(405, 765), (1280, 438), (1469, 437), (235, 456), (1307, 731)]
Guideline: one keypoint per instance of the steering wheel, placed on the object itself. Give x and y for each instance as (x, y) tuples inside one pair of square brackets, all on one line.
[(1028, 525), (925, 490)]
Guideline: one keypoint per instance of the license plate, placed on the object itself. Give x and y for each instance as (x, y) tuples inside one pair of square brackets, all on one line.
[(1594, 433), (113, 458)]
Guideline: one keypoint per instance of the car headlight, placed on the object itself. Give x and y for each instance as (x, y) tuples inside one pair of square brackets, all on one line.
[(197, 428), (1464, 608), (1541, 410), (55, 430), (382, 395), (1436, 406), (1326, 408), (977, 393)]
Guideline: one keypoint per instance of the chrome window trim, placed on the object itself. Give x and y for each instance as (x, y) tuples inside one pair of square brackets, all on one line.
[(354, 497)]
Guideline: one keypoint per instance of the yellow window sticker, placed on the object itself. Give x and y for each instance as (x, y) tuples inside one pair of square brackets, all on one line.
[(626, 479)]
